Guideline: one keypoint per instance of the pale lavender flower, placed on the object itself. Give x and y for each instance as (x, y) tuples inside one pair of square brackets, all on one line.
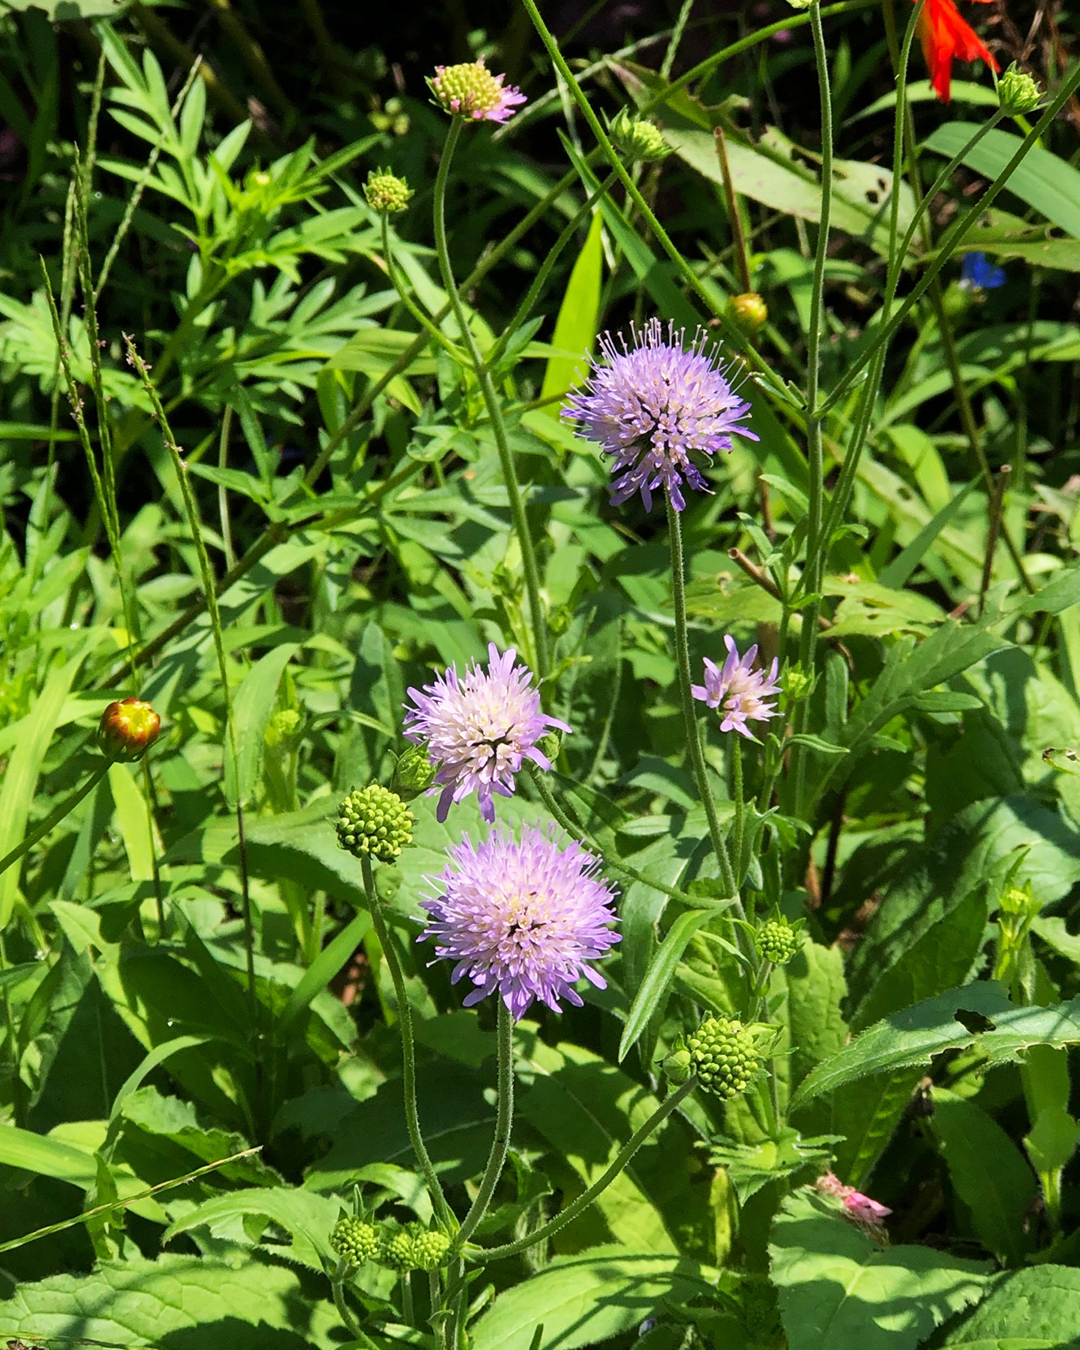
[(479, 728), (737, 689), (649, 405), (472, 92), (522, 919)]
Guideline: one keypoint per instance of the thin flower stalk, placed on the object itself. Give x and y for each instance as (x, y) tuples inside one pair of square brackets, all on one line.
[(500, 1143)]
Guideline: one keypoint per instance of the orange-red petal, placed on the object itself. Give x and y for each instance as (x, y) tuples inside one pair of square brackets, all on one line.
[(944, 35)]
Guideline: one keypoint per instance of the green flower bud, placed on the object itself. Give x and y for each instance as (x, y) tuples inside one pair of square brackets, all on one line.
[(723, 1055), (375, 822), (798, 683), (386, 193), (354, 1240), (430, 1249), (128, 728), (748, 312), (637, 137), (397, 1249), (414, 773), (678, 1065), (777, 941), (1018, 92), (550, 745), (282, 727)]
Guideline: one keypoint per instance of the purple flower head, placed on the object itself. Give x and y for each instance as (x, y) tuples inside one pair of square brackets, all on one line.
[(479, 728), (523, 919), (737, 689), (471, 91), (648, 406)]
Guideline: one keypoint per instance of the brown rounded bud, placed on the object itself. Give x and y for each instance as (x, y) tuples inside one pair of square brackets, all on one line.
[(128, 728)]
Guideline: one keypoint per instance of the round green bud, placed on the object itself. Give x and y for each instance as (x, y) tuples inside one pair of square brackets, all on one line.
[(375, 822), (550, 745), (638, 138), (128, 728), (354, 1240), (678, 1066), (430, 1249), (777, 941), (723, 1055), (798, 683), (414, 773), (1018, 92), (386, 193), (748, 312), (282, 727), (397, 1249)]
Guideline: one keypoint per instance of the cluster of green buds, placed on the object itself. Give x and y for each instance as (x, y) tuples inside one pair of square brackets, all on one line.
[(777, 940), (400, 1247), (386, 193), (724, 1054), (374, 822), (637, 138), (128, 728)]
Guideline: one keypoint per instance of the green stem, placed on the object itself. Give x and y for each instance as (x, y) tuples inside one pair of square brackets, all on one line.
[(406, 1298), (54, 817), (503, 1119), (408, 1050), (693, 736), (343, 1309), (738, 833), (817, 546), (429, 326), (494, 408), (584, 1200)]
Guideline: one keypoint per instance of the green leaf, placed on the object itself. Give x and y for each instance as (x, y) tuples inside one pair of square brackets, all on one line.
[(575, 327), (840, 1290), (1033, 1309), (47, 1157), (140, 1302), (652, 991), (1042, 179), (585, 1299), (978, 1015), (245, 740), (306, 1217), (813, 988), (988, 1173)]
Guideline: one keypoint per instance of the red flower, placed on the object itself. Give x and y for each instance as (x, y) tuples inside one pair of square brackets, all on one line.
[(944, 34)]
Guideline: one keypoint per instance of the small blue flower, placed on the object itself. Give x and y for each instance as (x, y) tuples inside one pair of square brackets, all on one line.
[(977, 273)]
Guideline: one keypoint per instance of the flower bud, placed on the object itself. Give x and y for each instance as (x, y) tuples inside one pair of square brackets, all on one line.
[(414, 773), (777, 941), (430, 1249), (374, 822), (354, 1240), (723, 1055), (1018, 92), (282, 728), (637, 137), (397, 1249), (128, 728), (386, 193), (677, 1066), (748, 312)]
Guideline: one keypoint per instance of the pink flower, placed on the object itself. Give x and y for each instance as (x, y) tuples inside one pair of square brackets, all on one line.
[(858, 1206), (471, 91), (737, 690)]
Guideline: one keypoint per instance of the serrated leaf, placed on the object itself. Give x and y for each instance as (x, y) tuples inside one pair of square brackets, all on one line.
[(581, 1300), (1033, 1309), (840, 1290), (914, 1036), (305, 1216)]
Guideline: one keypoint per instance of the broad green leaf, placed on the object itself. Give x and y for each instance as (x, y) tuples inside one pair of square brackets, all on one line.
[(245, 740), (305, 1216), (133, 821), (1000, 1030), (1033, 1309), (588, 1298), (140, 1302), (988, 1173), (577, 322), (1042, 179), (812, 989), (841, 1290), (865, 1113), (653, 989)]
